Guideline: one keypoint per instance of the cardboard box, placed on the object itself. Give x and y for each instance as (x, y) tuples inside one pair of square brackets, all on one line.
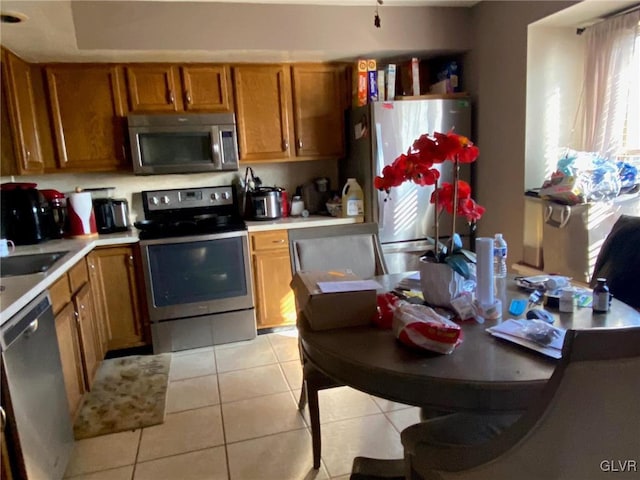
[(391, 82), (381, 86), (332, 310), (415, 76), (360, 83), (372, 75)]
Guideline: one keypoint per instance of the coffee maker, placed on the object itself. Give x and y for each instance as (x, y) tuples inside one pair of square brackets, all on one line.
[(25, 216)]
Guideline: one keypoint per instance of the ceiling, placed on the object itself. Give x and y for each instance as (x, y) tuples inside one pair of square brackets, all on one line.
[(200, 30), (262, 31)]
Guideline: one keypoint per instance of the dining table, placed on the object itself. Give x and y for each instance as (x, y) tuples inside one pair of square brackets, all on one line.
[(484, 374)]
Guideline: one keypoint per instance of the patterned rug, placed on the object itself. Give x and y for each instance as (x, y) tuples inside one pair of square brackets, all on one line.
[(127, 393)]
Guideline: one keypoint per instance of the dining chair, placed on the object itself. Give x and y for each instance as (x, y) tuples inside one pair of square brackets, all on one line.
[(585, 424), (619, 261), (352, 246)]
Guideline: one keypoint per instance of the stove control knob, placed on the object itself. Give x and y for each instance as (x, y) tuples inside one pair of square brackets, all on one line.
[(225, 195), (165, 200), (153, 200), (215, 196)]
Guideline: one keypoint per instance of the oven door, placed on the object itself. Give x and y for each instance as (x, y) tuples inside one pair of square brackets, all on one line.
[(198, 275)]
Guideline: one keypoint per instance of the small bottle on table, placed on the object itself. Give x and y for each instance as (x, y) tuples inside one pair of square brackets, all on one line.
[(601, 296)]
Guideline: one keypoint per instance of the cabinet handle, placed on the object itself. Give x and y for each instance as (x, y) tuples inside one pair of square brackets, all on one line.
[(124, 152), (278, 241), (28, 155), (285, 145), (187, 96), (300, 143), (172, 99), (3, 419)]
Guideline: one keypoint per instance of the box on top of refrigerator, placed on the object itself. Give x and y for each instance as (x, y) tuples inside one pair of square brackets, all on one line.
[(360, 80)]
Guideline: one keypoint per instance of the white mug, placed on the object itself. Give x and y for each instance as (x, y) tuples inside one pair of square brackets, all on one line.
[(6, 247)]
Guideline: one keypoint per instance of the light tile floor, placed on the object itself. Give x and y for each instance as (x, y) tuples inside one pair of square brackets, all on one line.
[(232, 415)]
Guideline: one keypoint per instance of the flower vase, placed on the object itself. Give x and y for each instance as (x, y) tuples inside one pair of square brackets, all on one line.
[(439, 282)]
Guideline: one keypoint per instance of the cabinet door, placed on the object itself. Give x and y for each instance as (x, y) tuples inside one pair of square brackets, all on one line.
[(205, 88), (88, 112), (318, 110), (117, 285), (275, 302), (102, 326), (83, 303), (17, 77), (263, 112), (153, 88), (70, 356)]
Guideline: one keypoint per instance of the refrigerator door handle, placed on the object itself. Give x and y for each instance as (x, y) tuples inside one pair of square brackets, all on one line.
[(379, 161)]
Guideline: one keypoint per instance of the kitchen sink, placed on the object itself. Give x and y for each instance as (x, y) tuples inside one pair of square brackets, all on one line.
[(28, 264)]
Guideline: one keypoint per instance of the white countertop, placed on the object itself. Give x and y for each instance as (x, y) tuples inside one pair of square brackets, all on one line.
[(18, 291), (299, 222)]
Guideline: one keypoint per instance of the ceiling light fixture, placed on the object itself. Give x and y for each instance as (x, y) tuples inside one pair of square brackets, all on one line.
[(12, 17), (376, 18)]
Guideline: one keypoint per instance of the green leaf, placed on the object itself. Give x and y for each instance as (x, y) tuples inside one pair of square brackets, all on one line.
[(456, 242), (470, 256), (459, 264)]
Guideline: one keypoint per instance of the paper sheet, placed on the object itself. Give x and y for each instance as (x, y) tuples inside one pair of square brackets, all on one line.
[(348, 286)]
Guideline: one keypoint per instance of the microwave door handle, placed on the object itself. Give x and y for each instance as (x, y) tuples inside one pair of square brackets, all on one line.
[(215, 148)]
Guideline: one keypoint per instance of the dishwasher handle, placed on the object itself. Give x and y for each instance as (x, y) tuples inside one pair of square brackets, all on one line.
[(25, 321)]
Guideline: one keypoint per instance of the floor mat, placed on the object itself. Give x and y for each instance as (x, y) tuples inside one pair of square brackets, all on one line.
[(127, 393)]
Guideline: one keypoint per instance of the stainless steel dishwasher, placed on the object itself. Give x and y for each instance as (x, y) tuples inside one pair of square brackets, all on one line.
[(36, 390)]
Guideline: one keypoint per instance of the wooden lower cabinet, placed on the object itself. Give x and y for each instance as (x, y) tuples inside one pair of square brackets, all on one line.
[(91, 357), (116, 286), (70, 356), (77, 328), (275, 303)]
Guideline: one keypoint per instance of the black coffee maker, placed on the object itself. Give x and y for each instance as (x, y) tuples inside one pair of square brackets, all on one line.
[(25, 215)]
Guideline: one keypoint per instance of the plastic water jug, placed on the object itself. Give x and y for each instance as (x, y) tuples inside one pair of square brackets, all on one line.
[(352, 199)]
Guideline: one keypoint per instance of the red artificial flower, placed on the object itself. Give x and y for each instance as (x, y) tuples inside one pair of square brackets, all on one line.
[(470, 209)]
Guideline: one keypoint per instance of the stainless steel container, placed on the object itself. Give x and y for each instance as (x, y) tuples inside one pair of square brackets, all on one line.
[(265, 203)]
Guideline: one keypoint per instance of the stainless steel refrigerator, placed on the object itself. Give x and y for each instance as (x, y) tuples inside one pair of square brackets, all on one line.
[(377, 134)]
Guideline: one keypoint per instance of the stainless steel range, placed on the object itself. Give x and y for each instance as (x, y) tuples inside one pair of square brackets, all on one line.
[(195, 253)]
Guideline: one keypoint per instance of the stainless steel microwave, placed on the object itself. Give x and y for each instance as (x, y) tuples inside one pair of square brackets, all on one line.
[(183, 143)]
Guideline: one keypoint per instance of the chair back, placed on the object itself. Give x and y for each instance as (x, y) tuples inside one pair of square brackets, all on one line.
[(585, 425), (353, 246), (619, 261)]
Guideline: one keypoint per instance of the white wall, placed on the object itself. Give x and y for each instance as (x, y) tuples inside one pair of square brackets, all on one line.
[(555, 62), (497, 80)]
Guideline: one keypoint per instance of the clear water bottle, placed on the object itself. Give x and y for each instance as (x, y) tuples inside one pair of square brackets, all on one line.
[(499, 256)]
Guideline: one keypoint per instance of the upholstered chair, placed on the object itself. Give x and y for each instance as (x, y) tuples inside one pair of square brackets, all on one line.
[(352, 246)]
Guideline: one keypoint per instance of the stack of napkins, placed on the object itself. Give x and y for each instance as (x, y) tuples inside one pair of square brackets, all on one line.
[(516, 331)]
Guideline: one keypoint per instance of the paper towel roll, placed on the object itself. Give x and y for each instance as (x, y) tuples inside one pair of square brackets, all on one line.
[(484, 271), (82, 221)]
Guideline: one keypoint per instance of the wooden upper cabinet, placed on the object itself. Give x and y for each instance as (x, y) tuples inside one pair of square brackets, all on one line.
[(173, 88), (88, 114), (263, 112), (152, 88), (205, 88), (17, 77), (318, 110)]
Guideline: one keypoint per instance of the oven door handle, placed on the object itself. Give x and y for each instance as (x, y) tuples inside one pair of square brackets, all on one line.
[(215, 147)]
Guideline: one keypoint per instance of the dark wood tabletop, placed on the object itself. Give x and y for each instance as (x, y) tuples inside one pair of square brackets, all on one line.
[(483, 374)]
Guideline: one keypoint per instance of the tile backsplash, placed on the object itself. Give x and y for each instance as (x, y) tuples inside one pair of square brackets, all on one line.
[(288, 175)]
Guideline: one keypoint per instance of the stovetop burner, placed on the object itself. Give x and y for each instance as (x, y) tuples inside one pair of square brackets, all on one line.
[(186, 212)]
